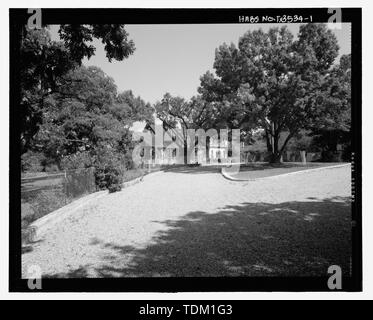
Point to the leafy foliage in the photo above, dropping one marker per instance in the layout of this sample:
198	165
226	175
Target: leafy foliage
44	63
334	127
86	123
77	40
273	82
32	161
176	112
109	170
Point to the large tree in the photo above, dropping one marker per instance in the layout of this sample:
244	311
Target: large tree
275	82
334	128
87	117
44	62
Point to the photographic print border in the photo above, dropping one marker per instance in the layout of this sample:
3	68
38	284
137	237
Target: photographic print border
18	17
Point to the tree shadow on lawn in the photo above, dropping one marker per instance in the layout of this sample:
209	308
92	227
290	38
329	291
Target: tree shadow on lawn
252	239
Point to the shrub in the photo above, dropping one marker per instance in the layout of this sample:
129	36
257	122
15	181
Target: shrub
109	167
109	177
32	161
331	156
52	168
346	154
128	161
196	164
301	141
77	161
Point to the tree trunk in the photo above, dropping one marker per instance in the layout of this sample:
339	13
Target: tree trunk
185	151
268	141
277	152
276	156
207	149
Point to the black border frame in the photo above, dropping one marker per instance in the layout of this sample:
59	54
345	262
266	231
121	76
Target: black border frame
18	17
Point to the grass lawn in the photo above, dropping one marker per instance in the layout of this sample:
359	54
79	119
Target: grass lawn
262	170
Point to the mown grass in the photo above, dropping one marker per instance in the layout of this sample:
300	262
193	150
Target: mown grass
262	170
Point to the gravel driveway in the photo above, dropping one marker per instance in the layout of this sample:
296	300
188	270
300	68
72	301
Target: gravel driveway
196	223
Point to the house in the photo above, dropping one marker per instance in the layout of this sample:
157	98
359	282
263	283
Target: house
163	146
160	146
218	150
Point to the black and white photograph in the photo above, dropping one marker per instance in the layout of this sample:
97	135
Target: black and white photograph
181	150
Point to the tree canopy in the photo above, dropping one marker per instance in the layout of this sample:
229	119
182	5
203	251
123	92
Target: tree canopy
44	62
87	115
181	114
277	83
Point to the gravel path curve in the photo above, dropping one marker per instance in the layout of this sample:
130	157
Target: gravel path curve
196	223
